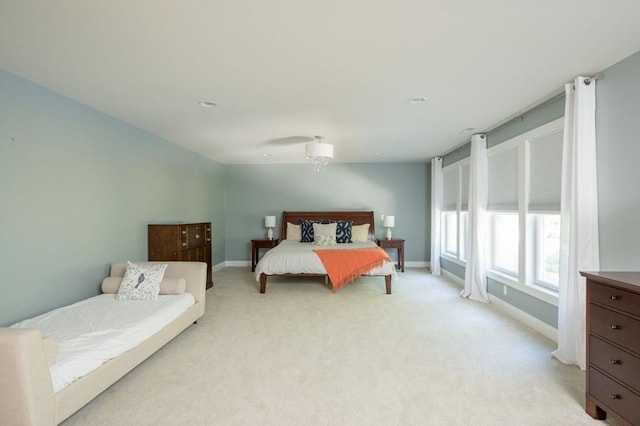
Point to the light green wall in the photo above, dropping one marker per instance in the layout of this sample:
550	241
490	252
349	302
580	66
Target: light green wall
77	190
399	189
618	151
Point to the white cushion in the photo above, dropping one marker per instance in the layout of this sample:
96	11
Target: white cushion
324	234
141	282
324	240
293	232
360	232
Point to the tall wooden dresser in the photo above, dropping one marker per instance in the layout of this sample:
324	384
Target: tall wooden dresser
182	242
613	346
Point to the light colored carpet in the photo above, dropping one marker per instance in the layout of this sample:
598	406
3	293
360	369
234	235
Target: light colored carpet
301	355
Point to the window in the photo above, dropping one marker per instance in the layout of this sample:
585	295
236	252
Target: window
450	234
463	235
502	202
505	242
455	183
547	251
524	204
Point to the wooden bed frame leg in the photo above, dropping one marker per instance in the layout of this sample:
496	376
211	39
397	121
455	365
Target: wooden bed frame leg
387	283
263	283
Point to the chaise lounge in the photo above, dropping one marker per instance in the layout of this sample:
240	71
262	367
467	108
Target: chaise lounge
27	394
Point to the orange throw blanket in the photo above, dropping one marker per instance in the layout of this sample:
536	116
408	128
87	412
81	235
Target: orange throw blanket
345	265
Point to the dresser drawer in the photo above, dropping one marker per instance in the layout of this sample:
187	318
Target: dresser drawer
617	397
615	362
618	328
193	236
614	297
207	233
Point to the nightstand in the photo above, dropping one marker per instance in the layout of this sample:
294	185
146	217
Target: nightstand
256	245
395	243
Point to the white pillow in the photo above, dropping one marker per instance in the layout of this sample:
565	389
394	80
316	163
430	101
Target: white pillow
325	228
324	240
360	232
141	282
293	232
324	234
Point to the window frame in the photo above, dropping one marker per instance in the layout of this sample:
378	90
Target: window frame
538	258
492	240
461	233
445	233
526	278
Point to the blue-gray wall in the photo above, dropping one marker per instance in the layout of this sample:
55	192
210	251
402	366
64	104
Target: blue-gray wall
77	190
398	189
545	113
618	151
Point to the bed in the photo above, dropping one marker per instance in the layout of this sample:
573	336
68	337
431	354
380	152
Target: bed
339	262
44	374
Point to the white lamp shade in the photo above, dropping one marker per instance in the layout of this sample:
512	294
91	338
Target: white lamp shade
317	150
389	221
269	221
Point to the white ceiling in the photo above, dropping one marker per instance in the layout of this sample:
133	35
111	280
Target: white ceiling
284	71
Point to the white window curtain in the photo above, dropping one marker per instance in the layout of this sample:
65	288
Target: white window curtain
475	277
436	213
579	249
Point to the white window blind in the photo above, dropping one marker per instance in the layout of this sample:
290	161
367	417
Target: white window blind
503	181
464	188
545	171
450	189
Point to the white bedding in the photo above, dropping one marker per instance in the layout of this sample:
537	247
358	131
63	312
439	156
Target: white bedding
293	257
94	330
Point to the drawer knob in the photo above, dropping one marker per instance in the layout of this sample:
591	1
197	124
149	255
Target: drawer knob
614	361
615	327
197	236
184	244
184	232
615	396
615	297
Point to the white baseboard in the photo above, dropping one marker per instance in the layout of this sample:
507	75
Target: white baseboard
453	278
417	264
529	320
237	263
218	266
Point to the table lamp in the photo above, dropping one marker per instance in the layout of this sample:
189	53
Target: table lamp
270	222
389	222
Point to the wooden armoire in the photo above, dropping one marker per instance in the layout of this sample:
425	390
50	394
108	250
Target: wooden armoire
182	242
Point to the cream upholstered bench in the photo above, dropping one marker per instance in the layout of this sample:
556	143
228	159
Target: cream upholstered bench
26	391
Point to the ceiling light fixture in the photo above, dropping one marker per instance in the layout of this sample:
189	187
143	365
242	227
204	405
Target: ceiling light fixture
319	153
207	104
417	100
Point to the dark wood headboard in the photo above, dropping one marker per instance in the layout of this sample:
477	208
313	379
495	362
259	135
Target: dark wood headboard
359	218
